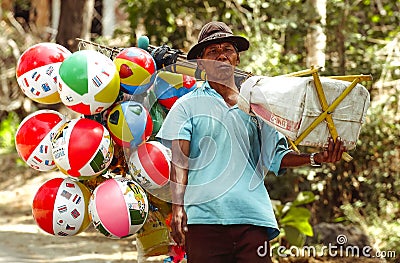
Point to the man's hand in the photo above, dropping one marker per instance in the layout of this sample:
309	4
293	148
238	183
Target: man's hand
332	153
178	224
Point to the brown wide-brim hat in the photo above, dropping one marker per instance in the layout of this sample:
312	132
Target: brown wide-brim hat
216	32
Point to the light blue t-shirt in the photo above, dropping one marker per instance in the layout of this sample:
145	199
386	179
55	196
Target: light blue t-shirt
225	178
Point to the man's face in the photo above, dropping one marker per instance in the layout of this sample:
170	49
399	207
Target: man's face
219	61
221	51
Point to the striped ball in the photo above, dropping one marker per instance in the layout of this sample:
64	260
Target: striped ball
37	71
150	165
130	124
89	82
33	138
82	148
118	207
136	68
168	87
60	207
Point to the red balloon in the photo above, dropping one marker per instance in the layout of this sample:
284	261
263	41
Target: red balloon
60	207
82	148
37	71
33	138
41	54
43	204
150	165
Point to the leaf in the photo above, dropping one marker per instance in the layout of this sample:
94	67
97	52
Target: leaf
303	227
296	214
303	198
277	206
298	217
294	236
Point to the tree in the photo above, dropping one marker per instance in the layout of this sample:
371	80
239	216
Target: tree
5	6
316	38
75	22
39	15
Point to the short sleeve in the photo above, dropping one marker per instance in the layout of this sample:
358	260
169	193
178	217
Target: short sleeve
177	125
274	147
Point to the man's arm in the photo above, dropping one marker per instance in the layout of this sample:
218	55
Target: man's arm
179	176
331	154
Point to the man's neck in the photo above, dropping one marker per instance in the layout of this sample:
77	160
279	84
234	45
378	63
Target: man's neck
228	92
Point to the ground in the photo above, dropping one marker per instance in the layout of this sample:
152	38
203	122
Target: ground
22	241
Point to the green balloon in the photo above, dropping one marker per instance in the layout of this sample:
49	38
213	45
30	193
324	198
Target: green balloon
74	72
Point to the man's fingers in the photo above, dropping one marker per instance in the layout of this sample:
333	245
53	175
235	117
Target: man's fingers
333	153
178	233
337	151
177	236
329	151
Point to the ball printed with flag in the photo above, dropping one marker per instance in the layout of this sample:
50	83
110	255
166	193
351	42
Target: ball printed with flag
118	207
169	86
136	68
150	165
60	207
33	138
37	71
82	148
130	124
89	82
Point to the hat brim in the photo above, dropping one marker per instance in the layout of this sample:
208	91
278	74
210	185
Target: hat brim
241	43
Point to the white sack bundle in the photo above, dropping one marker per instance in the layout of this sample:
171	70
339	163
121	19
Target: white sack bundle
291	104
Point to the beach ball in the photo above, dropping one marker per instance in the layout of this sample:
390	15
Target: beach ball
150	165
33	138
89	82
118	207
130	124
82	148
60	207
136	68
37	71
169	86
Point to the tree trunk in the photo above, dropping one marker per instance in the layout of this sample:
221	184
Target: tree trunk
55	16
341	40
75	22
87	19
39	15
316	38
108	20
5	6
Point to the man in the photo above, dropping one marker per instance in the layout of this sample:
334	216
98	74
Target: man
221	211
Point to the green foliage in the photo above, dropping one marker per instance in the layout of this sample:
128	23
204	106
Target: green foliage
359	29
23	4
8	128
294	219
377	226
276	30
167	22
177	24
378	168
